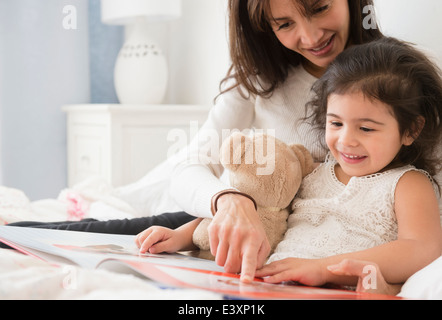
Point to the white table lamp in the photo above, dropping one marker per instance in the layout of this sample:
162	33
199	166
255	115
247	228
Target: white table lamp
141	71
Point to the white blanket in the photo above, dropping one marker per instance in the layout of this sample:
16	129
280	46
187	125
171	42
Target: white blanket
25	277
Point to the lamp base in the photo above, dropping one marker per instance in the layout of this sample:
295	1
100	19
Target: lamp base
141	71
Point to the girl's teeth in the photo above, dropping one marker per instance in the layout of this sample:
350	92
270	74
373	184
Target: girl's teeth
353	157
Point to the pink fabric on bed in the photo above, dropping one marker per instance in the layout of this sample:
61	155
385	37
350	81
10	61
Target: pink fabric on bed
77	207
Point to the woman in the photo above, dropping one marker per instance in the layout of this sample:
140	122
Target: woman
278	49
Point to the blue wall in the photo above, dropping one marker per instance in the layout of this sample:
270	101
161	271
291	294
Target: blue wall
43	66
105	42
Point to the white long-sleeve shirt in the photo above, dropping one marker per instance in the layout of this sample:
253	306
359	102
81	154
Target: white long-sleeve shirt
196	179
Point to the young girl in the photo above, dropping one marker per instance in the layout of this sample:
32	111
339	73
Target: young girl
374	198
380	106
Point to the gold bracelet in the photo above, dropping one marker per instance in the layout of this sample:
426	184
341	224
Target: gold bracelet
215	198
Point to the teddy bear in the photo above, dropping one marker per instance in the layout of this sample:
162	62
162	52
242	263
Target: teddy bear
269	171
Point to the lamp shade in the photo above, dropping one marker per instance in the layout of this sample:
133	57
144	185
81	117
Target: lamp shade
122	12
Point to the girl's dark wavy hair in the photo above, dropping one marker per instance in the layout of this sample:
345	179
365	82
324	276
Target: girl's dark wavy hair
259	61
399	75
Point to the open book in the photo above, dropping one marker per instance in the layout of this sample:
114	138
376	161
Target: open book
120	254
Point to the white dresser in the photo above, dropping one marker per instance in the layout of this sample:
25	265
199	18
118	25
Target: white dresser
121	143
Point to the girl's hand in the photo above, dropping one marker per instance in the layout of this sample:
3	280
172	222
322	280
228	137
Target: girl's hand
158	239
306	271
237	236
370	278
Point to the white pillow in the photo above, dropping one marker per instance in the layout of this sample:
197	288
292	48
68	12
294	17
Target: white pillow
425	284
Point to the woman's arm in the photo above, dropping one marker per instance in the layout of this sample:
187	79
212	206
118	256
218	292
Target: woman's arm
236	234
196	178
419	242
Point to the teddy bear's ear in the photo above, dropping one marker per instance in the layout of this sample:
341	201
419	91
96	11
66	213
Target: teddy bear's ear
305	158
234	150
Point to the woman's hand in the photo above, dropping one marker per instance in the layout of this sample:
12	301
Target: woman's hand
310	272
237	236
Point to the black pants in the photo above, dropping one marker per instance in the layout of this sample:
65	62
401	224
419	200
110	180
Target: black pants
133	226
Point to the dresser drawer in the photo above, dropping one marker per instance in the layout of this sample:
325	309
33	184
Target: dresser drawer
87	153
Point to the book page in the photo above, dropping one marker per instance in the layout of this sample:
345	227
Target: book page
231	286
92	250
89	249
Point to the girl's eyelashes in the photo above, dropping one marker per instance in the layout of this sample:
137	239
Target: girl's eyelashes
365	129
336	123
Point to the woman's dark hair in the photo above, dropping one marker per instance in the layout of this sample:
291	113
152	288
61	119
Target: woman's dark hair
259	61
399	75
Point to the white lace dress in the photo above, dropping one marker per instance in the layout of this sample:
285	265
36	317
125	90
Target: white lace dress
331	218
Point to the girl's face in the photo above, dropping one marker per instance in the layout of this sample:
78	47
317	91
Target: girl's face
362	134
320	38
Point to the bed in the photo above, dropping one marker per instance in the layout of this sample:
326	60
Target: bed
25	277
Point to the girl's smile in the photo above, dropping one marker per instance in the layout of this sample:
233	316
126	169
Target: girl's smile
352	159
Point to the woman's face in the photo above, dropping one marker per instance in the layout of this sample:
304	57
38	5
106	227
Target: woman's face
319	38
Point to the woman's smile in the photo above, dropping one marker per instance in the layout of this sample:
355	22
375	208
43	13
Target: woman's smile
324	48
